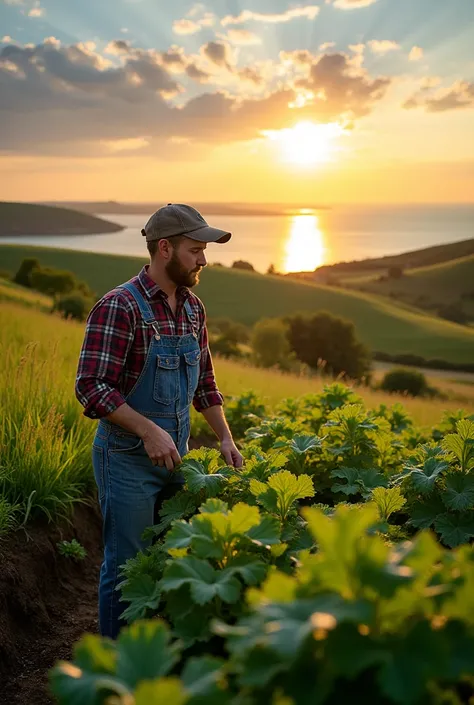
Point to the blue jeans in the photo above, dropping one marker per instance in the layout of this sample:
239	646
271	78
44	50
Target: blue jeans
129	488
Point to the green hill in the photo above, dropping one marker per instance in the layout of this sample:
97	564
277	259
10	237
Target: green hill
426	257
430	288
247	297
31	219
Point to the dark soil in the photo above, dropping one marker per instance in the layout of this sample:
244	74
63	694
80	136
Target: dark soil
47	601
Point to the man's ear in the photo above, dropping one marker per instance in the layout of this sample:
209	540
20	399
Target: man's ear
164	248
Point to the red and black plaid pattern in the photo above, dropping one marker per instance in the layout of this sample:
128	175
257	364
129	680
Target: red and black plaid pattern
116	345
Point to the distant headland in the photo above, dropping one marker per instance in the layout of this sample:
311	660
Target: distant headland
117	208
34	219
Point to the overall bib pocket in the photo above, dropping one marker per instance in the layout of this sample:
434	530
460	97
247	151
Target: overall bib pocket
166	387
192	360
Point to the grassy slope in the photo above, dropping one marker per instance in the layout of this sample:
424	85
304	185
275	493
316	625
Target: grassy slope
31	219
248	297
428	286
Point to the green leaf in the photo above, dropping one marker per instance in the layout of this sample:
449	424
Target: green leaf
197	478
250	569
214	506
351	653
85	681
143	593
461	444
181	535
266	533
278	587
302	444
203	678
161	690
455	529
145	652
289	488
414	660
424	478
205	582
181	505
242	518
388	501
459	493
351	475
424	514
370	479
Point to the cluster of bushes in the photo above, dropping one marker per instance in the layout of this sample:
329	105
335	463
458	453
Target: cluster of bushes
302	342
72	297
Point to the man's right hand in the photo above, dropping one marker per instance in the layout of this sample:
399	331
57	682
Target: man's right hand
160	447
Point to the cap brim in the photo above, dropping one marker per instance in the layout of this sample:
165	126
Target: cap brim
208	234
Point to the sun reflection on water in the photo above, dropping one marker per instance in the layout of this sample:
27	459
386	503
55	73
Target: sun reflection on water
305	248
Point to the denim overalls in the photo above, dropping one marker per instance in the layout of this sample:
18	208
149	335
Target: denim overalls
128	482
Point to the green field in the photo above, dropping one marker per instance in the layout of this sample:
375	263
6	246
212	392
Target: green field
247	297
33	219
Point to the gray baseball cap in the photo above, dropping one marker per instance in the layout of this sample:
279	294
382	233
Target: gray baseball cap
179	219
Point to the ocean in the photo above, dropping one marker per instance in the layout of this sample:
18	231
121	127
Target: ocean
298	242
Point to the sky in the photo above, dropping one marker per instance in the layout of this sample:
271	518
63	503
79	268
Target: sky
269	101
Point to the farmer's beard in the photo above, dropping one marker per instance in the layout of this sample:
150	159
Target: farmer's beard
179	274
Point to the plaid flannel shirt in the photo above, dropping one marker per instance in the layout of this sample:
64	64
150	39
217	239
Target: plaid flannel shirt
116	345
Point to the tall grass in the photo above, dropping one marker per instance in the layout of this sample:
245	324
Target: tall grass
45	441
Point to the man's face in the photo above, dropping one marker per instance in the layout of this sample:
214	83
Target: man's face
186	262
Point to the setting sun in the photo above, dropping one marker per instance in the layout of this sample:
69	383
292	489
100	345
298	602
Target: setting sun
307	143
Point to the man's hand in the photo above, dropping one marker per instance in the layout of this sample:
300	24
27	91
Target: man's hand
231	453
160	447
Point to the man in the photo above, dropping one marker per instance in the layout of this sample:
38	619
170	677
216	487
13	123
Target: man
144	360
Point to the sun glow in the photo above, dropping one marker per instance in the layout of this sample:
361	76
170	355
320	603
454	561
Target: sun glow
307	143
304	249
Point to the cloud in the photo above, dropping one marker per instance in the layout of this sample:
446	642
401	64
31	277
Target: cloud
6	39
326	46
192	23
382	46
218	53
342	88
351	4
197	74
459	95
36	11
308	11
242	37
416	54
71	99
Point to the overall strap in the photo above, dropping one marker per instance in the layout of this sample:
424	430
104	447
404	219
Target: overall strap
191	317
143	305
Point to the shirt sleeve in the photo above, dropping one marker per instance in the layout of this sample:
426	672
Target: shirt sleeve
207	393
110	330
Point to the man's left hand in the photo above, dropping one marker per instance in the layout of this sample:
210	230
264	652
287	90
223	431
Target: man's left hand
231	453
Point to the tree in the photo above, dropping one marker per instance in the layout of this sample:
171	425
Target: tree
322	338
270	343
22	277
53	282
241	264
271	269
